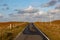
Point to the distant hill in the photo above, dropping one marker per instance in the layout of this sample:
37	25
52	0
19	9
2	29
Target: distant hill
5	24
51	29
54	22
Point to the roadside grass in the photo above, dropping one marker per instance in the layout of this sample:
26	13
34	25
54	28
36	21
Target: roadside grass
51	30
9	34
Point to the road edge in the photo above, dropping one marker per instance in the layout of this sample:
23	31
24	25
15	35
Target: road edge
41	31
19	33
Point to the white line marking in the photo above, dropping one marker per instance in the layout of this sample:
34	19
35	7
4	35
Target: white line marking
19	33
42	33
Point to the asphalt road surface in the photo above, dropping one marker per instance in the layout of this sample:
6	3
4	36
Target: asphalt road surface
31	33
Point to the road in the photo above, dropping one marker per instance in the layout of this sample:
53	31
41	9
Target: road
31	33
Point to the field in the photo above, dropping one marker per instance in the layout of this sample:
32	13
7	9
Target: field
51	29
9	30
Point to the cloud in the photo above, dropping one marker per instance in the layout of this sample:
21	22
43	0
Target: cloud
58	0
30	15
5	5
51	3
5	8
2	19
1	16
57	6
30	9
55	11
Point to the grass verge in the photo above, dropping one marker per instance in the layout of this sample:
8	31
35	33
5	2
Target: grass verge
51	30
9	34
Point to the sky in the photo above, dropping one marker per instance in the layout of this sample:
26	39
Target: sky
29	10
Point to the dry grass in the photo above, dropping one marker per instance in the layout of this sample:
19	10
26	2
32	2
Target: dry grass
7	33
51	30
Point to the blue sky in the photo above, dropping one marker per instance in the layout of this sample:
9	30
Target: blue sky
19	4
8	6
